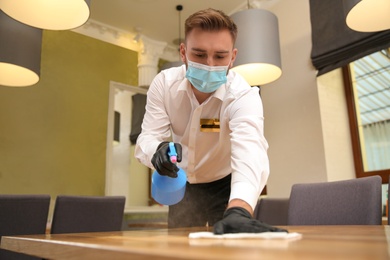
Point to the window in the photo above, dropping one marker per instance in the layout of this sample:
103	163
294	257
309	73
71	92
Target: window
367	85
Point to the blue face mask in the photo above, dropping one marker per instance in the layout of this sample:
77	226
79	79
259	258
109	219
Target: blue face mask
205	78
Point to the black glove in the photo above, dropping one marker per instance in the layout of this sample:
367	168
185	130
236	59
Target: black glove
239	220
162	162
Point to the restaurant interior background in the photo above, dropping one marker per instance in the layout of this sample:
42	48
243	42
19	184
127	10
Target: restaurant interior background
56	136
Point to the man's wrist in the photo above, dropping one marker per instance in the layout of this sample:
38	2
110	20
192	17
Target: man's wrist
240	203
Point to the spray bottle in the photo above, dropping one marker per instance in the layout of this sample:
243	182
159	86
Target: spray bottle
167	190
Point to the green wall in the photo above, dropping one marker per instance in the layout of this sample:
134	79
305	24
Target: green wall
53	134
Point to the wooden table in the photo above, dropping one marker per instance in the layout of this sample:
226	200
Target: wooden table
317	242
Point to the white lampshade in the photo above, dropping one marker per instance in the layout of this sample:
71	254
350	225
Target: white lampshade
367	15
258	57
48	14
20	53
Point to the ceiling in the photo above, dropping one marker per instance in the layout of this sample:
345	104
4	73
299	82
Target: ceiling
159	19
156	19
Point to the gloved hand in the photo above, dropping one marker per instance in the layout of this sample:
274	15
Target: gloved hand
239	220
162	162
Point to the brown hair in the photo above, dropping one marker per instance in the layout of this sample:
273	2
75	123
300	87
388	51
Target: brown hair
211	20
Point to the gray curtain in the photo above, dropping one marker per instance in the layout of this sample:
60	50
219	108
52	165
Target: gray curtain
137	115
334	44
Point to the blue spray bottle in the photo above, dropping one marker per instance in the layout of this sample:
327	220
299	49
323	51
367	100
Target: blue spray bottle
167	190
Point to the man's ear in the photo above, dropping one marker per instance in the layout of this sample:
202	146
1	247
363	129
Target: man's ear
183	52
234	54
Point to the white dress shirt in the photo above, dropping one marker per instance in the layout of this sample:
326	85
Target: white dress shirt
239	147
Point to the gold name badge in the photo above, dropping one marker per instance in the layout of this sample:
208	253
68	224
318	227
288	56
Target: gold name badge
209	125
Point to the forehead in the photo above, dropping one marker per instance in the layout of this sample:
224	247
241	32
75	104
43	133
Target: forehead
209	40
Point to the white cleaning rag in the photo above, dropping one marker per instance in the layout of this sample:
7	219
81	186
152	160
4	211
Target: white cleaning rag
263	235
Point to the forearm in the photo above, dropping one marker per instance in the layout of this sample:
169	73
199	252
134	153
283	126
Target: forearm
241	204
144	150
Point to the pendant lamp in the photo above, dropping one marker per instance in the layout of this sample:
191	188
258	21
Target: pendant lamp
178	63
48	14
367	15
20	53
258	57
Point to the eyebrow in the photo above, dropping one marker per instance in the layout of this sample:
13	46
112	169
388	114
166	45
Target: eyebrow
201	50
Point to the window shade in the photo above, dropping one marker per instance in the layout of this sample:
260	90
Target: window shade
137	116
335	45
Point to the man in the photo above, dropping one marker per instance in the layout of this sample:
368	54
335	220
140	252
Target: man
215	120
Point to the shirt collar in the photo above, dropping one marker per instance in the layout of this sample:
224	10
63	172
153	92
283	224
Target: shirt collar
220	92
185	85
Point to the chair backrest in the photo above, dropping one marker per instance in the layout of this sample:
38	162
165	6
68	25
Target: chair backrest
76	214
272	211
22	215
387	203
347	202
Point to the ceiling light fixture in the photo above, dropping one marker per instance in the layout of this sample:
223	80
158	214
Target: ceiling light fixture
367	15
48	14
178	41
20	53
137	36
258	57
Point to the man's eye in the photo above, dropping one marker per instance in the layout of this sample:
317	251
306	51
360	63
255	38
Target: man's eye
199	55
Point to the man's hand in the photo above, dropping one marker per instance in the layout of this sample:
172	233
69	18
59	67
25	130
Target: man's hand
162	162
239	220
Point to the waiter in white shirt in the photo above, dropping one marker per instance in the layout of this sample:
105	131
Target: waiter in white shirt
215	120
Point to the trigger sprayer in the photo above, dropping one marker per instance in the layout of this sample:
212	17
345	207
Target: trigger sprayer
167	190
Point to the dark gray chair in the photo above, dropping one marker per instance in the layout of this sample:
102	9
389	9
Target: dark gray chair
347	202
272	211
388	191
77	214
22	215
